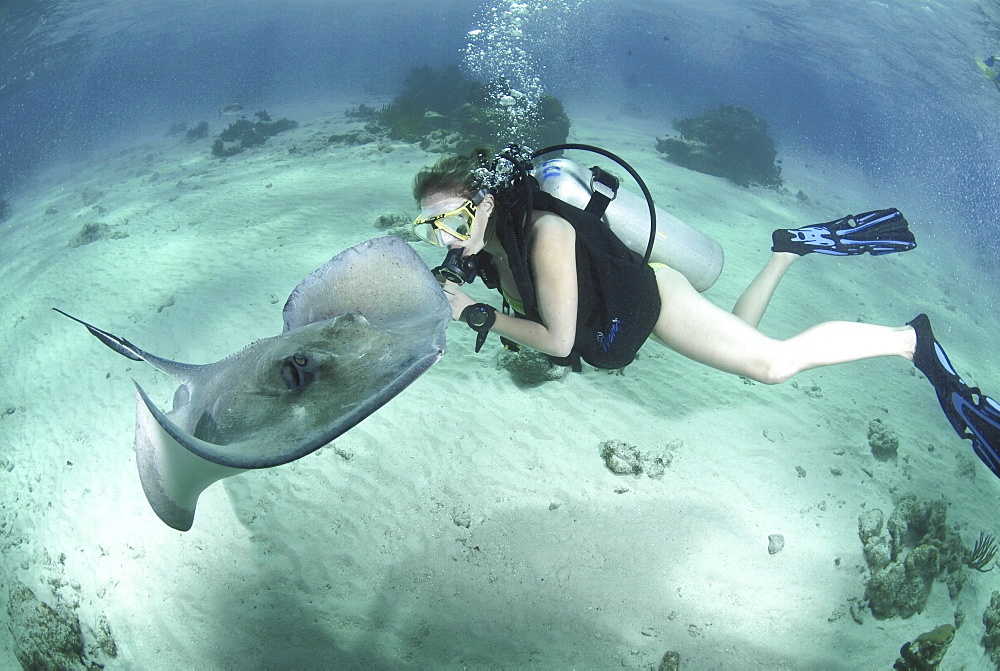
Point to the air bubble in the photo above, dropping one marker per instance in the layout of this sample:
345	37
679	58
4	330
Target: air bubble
506	51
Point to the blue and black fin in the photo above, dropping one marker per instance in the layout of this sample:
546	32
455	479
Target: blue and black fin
876	233
974	415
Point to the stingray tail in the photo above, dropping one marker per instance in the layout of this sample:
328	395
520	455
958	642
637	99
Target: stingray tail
120	345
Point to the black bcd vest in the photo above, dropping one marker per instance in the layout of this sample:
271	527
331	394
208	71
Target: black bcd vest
619	301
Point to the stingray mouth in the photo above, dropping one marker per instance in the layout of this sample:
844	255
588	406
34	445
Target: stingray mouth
298	371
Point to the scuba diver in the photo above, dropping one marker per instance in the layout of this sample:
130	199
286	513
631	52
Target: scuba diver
990	67
572	290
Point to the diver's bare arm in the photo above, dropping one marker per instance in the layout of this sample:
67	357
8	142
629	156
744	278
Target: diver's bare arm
553	261
530	334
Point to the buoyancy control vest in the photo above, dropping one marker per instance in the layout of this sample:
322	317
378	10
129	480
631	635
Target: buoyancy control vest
618	298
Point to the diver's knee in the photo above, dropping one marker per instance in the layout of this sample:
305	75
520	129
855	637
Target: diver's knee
769	377
777	376
773	370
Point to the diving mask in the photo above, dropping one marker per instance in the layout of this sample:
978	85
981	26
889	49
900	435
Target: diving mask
456	223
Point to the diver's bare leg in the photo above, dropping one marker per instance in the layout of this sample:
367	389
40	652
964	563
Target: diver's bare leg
704	332
751	305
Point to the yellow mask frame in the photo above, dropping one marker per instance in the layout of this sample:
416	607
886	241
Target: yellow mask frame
457	223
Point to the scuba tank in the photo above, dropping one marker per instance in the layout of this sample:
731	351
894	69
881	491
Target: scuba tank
675	244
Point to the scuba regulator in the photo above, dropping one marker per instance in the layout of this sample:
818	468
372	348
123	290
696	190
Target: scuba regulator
456	268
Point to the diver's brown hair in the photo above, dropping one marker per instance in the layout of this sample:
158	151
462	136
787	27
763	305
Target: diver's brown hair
451	174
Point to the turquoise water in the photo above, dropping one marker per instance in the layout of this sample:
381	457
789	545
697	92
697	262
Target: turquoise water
890	87
456	533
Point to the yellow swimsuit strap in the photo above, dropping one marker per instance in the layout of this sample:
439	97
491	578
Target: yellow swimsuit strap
515	305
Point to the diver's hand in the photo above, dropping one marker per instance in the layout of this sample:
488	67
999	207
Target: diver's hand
458	299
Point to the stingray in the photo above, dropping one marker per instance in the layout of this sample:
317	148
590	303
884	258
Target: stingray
357	332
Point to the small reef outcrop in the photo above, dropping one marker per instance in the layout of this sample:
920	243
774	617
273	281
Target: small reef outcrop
399	224
51	636
242	134
92	231
44	637
918	549
991	639
443	111
883	441
528	367
623	459
728	141
199	132
671	661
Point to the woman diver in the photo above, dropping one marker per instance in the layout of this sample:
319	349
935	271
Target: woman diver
536	250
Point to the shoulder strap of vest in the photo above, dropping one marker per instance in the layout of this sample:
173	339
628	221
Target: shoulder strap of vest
513	238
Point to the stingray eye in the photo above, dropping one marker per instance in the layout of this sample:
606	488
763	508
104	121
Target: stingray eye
295	371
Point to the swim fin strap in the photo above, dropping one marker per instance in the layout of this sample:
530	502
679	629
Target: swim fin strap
973	415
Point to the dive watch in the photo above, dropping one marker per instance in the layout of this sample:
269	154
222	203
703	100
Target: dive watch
480	317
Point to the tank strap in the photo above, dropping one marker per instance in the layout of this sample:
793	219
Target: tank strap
603	189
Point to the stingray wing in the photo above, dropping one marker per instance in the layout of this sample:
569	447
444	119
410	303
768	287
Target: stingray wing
175	466
273	429
357	332
384	279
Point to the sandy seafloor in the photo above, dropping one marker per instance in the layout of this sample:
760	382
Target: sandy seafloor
367	562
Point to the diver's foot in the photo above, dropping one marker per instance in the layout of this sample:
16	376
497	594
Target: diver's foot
972	414
876	233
